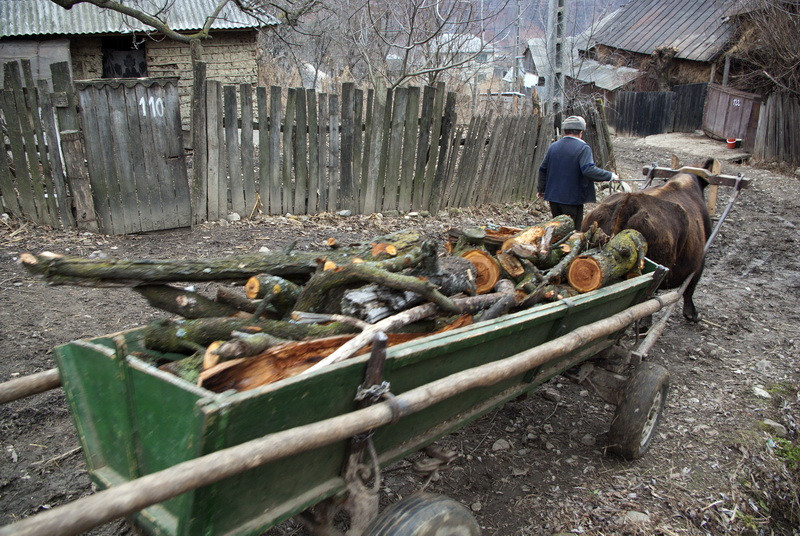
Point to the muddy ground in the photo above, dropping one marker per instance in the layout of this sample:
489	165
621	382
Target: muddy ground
536	466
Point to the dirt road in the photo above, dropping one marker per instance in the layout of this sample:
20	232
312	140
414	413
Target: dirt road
536	466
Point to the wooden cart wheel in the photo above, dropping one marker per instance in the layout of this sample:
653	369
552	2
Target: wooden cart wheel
425	514
637	416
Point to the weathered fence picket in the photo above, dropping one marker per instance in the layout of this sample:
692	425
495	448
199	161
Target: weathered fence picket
778	134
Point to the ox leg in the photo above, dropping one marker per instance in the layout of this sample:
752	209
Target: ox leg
689	310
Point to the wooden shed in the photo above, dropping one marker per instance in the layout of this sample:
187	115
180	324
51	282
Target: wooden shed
730	113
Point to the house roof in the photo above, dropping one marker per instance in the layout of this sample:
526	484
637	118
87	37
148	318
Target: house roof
698	29
43	17
583	69
602	75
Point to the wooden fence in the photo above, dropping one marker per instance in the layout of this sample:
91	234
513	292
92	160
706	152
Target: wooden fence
302	152
778	135
32	179
644	113
107	155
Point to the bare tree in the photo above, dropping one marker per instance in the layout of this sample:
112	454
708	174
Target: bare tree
767	56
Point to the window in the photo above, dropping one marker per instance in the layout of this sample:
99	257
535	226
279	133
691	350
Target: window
123	59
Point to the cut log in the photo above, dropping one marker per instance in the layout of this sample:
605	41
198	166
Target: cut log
274	290
574	246
558	292
185	303
622	254
182	335
243	345
237	300
561	225
510	264
487	271
187	368
504	304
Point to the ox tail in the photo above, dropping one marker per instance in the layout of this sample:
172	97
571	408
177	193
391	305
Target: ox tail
618	217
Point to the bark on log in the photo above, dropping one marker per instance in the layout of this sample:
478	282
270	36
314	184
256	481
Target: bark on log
624	253
314	296
575	245
273	290
60	270
182	335
185	303
558	292
504	304
245	345
510	264
562	226
238	301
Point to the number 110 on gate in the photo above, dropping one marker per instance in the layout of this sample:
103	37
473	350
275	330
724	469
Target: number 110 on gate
154	104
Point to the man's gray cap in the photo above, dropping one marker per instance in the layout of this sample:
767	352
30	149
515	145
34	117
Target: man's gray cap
574	122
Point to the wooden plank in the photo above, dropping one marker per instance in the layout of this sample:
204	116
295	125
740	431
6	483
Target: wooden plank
233	151
54	156
334	146
32	100
263	148
383	157
113	220
347	187
120	159
313	152
358	146
396	136
375	135
423	149
175	153
139	163
21	174
365	151
248	162
409	150
275	194
448	123
433	152
489	161
157	180
471	152
34	175
77	174
7	190
214	206
323	153
200	168
301	153
287	189
62	84
450	182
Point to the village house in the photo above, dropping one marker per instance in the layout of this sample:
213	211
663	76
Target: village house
101	43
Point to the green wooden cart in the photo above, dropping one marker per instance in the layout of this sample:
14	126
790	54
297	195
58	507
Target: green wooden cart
134	419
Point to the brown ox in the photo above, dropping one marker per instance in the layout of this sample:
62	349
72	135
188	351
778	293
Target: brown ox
674	220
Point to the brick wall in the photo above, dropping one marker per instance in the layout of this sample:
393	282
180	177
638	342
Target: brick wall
231	59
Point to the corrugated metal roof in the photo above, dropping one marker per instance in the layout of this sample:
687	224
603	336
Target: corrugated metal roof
698	29
43	17
602	75
583	69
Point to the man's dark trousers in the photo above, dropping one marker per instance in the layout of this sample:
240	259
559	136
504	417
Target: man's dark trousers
573	211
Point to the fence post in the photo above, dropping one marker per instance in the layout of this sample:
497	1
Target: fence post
72	146
199	145
78	178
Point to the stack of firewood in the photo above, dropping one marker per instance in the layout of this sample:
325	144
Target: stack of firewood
291	312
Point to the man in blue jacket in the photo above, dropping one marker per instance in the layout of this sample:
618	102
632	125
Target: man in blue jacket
568	173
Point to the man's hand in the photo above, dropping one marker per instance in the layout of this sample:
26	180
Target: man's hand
539	195
614	177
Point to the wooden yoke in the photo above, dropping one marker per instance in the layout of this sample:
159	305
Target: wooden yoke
713	177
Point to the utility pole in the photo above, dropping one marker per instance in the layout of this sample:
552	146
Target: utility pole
555	56
515	64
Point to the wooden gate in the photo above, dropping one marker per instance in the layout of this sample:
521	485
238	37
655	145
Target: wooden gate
135	155
730	113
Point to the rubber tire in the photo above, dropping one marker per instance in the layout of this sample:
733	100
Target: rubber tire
637	416
425	514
